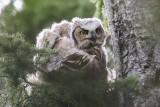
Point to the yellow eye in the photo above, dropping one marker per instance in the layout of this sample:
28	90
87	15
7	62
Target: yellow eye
83	32
98	30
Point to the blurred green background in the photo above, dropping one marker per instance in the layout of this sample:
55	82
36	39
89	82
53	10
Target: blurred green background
39	14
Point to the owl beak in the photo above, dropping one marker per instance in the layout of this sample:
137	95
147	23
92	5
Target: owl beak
93	37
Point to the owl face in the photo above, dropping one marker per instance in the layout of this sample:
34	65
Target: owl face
88	32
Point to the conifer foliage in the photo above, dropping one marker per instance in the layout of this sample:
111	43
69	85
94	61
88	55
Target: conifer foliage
68	88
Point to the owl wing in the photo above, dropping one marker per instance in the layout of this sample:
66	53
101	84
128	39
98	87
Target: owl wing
92	64
56	37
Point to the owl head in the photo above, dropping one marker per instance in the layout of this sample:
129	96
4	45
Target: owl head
87	32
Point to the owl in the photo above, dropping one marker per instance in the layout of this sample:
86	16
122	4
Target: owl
80	46
89	36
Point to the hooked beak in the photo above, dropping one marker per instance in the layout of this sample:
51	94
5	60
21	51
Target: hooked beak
93	37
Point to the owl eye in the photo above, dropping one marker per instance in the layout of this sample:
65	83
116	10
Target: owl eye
83	32
98	30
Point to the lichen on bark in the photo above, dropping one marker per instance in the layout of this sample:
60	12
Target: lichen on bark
134	31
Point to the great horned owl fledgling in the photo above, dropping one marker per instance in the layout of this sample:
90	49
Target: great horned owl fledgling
80	47
89	36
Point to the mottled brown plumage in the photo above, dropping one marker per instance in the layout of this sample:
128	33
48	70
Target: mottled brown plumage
80	46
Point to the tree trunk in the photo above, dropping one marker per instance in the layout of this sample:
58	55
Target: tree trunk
135	29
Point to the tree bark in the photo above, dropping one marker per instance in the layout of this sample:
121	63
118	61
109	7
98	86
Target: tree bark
135	29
